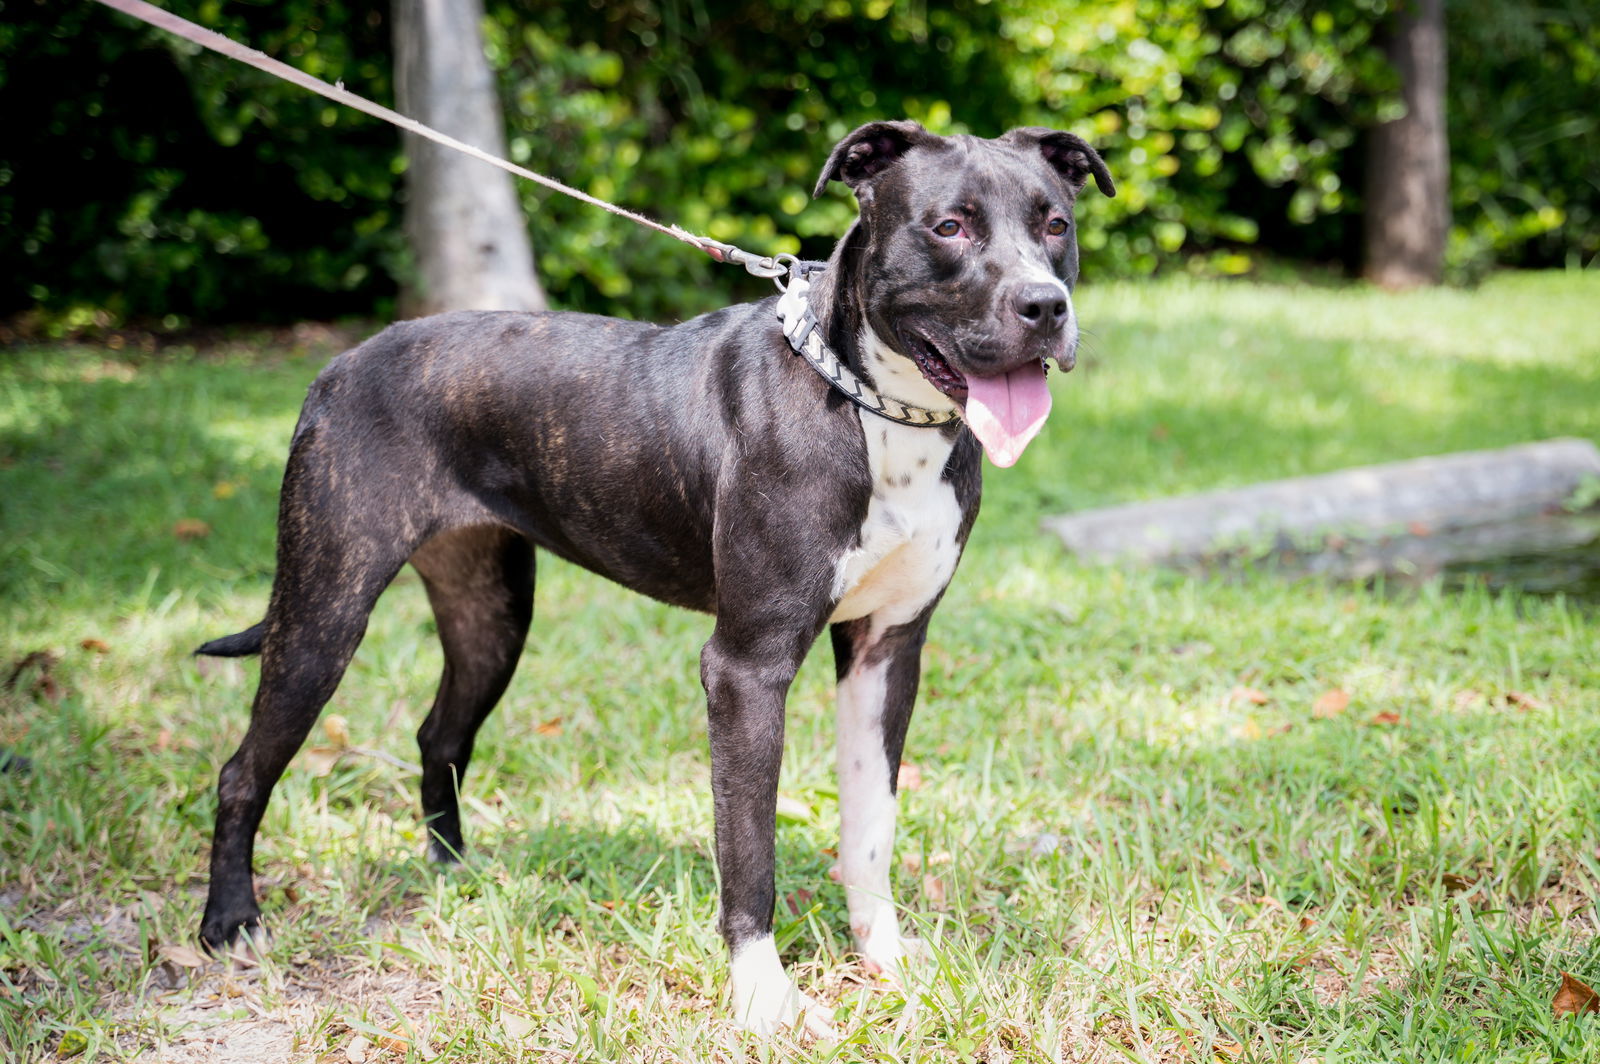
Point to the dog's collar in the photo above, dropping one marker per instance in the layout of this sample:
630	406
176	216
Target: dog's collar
804	333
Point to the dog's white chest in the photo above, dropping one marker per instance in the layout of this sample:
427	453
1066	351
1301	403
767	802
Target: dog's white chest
908	549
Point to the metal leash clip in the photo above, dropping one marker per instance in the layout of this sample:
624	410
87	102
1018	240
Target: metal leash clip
772	267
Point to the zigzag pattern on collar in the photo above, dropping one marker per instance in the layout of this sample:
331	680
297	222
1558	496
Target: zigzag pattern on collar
804	333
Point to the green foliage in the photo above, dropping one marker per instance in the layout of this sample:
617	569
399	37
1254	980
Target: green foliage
1524	133
717	116
1224	119
173	183
192	186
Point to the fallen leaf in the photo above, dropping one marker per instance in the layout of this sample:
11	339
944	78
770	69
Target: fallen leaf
191	528
1226	1049
1575	997
1457	884
1521	700
98	646
183	956
72	1043
395	1041
933	889
1330	703
549	727
1307	923
1388	716
912	863
909	778
355	1050
163	739
319	760
798	901
1468	698
1248	694
337	729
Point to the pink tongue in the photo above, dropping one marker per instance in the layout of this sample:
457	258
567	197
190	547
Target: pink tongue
1007	411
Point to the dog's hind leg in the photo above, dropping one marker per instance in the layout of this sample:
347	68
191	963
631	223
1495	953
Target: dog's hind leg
878	673
334	560
480	583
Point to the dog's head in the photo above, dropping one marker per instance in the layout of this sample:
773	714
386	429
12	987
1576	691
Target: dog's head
970	258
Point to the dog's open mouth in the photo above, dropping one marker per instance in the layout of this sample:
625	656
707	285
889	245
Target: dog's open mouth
941	374
1004	411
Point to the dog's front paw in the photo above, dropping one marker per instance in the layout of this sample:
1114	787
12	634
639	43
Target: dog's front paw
767	1011
766	1001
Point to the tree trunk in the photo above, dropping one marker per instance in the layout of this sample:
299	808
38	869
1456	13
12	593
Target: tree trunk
1408	162
462	218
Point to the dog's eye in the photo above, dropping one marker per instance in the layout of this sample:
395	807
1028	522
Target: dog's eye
948	227
1056	226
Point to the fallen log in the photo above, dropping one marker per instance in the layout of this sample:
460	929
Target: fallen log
1419	515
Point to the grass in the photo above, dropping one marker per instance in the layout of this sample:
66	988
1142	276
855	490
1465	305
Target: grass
1118	855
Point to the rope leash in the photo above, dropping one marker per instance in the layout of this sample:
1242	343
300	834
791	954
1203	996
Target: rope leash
768	266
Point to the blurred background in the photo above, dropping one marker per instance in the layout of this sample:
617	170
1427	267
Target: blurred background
144	182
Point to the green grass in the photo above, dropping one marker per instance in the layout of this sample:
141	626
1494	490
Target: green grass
1116	859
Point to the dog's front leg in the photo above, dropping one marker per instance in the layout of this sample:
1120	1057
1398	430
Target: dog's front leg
878	672
747	673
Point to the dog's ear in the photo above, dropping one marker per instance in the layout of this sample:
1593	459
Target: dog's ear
1069	155
869	151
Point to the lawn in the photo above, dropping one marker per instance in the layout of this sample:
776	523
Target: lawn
1144	824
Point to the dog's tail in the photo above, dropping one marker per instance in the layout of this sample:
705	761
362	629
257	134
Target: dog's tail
239	645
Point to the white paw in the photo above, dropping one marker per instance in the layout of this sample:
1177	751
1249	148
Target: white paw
766	1001
767	1012
891	955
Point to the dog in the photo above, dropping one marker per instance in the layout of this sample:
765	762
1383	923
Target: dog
706	465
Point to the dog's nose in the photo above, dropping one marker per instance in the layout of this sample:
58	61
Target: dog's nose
1041	306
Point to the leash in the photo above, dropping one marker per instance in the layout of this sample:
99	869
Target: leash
799	321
